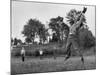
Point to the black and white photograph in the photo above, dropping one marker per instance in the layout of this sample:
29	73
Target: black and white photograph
52	37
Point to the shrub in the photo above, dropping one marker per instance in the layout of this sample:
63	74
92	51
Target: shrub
86	38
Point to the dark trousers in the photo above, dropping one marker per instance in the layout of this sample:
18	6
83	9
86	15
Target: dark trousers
54	54
72	41
41	56
23	57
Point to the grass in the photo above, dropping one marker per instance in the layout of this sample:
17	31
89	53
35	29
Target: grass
49	64
35	65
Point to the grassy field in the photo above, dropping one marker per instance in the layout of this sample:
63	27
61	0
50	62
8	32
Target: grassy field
49	64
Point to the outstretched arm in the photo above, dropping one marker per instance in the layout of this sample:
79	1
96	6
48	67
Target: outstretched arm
80	20
81	17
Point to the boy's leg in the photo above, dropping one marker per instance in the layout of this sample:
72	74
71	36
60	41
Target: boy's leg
69	44
82	58
40	56
81	55
22	57
79	52
54	53
67	57
71	41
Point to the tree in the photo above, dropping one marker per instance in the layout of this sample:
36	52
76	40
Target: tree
59	27
28	40
19	41
42	33
86	38
34	28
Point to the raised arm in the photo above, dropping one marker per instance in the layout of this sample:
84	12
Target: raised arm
81	17
79	21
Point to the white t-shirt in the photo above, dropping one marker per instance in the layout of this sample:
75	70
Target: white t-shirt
22	51
41	52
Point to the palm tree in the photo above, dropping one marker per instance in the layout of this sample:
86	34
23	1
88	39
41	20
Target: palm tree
72	17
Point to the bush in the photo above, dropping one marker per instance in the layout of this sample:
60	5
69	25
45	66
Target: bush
86	38
48	50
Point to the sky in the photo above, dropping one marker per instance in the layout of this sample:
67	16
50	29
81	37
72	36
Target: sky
23	11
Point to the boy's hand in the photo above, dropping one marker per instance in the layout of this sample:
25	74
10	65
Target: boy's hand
84	10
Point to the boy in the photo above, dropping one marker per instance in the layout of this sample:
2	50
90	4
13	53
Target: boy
23	54
41	53
73	38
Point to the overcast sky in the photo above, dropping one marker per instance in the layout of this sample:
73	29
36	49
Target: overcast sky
23	11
